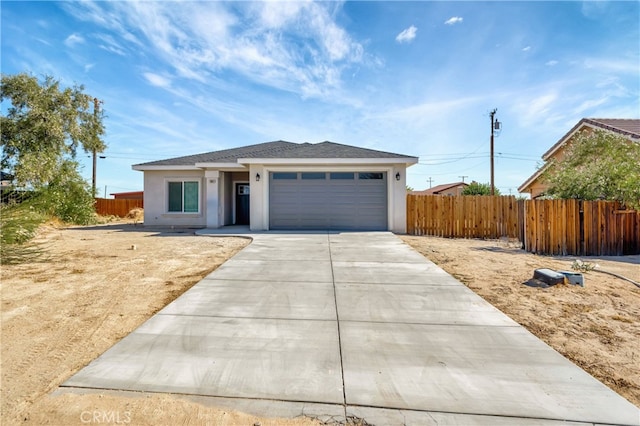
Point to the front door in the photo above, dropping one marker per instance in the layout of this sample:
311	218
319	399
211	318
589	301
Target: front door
242	203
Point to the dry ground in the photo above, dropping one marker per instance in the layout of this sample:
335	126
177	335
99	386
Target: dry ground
92	290
597	327
60	313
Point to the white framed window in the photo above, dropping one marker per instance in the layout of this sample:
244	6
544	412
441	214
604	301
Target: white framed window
183	196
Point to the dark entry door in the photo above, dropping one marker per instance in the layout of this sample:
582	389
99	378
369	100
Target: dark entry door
242	203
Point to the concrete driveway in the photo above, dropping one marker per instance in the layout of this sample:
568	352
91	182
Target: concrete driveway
350	324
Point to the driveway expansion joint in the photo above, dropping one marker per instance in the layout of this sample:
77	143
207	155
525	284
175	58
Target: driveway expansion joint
335	301
386	341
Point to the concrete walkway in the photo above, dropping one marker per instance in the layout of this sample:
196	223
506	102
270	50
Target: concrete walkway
350	324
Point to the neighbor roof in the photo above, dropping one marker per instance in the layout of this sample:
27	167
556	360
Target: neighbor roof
628	127
439	188
278	149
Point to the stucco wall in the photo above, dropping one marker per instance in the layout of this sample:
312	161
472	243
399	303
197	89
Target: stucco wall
219	186
396	195
156	199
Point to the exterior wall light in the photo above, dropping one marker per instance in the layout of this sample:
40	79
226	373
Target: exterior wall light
398	176
257	177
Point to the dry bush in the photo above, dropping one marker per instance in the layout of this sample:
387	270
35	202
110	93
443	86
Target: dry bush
136	214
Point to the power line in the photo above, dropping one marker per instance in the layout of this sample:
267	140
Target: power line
464	155
449	172
484	155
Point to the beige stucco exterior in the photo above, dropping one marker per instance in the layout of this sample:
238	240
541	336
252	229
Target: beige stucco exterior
216	190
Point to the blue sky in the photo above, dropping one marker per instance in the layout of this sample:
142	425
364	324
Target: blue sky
417	78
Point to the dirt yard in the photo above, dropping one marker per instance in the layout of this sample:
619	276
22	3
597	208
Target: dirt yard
97	284
597	327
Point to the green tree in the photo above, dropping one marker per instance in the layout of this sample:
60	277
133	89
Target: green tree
597	165
476	188
43	127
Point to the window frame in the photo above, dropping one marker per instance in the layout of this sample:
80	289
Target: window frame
342	175
284	175
370	175
183	181
313	176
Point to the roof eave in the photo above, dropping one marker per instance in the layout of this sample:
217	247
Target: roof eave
532	178
222	166
563	139
143	167
585	122
324	161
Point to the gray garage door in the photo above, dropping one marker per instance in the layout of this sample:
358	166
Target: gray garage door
331	200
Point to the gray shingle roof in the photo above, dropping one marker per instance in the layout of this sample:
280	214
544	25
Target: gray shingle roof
278	149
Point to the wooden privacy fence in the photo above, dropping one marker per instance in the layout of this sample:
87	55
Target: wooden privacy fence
464	216
587	228
120	207
552	227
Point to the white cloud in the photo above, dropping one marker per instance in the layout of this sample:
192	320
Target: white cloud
157	80
278	14
535	107
453	20
551	63
526	49
293	46
88	67
416	114
407	35
43	41
110	44
589	105
617	65
73	40
593	9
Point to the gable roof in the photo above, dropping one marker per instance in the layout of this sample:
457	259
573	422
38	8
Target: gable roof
280	149
225	155
629	128
439	188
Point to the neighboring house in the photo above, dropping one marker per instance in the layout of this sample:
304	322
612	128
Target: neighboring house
134	195
455	188
629	128
280	185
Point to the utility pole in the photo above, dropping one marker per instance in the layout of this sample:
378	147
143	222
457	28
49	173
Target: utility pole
96	111
96	107
462	177
495	125
430	181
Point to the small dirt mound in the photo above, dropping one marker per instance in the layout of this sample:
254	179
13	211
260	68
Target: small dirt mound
136	214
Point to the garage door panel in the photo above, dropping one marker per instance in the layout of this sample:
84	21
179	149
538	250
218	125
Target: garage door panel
340	201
